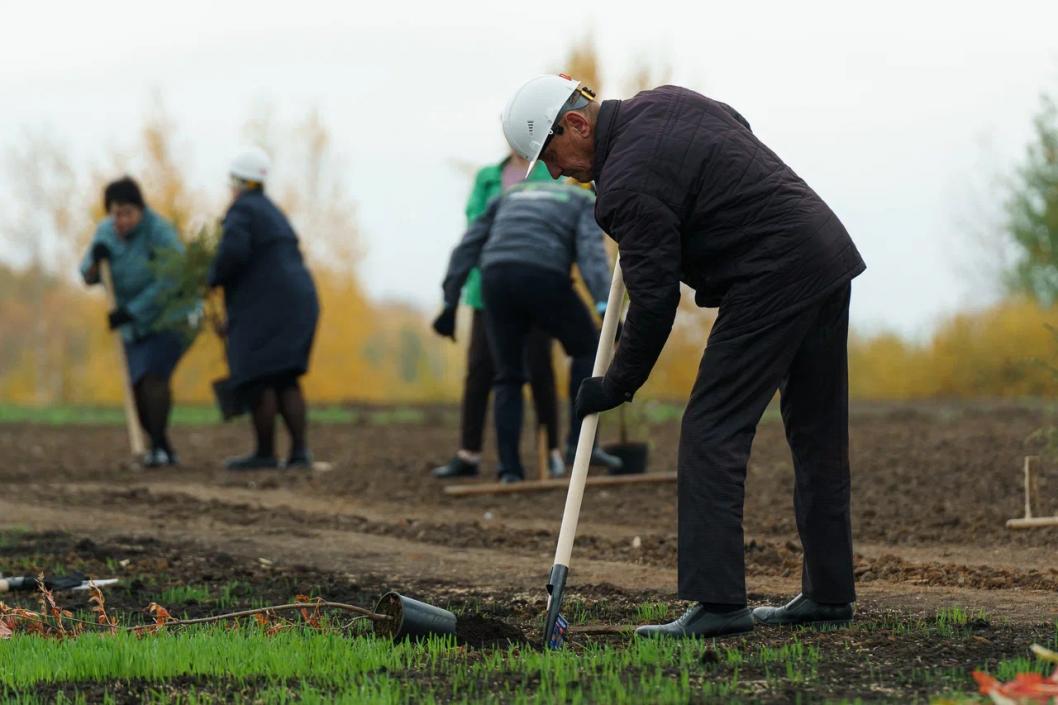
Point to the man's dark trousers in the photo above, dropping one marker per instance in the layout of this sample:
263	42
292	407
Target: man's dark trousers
481	372
517	298
804	356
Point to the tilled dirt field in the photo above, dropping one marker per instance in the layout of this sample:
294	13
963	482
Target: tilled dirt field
933	486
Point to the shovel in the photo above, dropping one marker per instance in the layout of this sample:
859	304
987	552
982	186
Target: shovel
556	625
131	419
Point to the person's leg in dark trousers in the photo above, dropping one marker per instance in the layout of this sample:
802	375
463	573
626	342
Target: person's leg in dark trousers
542	382
551	304
737	379
140	397
477	386
815	412
154	402
508	325
262	398
290	402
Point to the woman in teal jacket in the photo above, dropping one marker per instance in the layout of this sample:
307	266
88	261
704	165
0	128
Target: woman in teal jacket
155	334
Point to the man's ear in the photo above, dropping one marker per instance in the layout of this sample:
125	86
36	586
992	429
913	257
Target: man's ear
578	123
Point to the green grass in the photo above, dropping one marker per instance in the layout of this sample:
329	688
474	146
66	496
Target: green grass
180	594
653	612
218	664
331	668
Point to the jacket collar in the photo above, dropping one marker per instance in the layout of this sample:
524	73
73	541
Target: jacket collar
142	226
604	126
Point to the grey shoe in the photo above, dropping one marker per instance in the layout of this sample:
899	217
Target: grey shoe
803	610
510	478
599	458
157	457
697	622
555	467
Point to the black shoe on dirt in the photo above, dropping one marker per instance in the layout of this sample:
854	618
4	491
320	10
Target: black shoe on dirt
803	610
697	622
456	467
299	461
252	462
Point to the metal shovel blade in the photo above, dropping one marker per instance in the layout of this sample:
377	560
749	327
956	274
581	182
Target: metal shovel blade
556	626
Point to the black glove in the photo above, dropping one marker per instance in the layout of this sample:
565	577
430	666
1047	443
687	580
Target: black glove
445	324
118	317
100	252
597	394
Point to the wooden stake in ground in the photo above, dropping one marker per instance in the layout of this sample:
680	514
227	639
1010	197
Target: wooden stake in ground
542	453
1032	492
131	419
559	483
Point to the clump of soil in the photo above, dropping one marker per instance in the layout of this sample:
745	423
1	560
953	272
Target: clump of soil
479	631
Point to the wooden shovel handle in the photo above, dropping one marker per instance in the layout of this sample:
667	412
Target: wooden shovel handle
131	419
588	427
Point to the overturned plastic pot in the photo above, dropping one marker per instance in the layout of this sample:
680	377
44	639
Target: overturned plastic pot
633	457
411	619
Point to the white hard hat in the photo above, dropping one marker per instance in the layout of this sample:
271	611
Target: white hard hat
531	113
251	164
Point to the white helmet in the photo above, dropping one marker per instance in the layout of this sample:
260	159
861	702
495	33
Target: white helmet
531	113
252	164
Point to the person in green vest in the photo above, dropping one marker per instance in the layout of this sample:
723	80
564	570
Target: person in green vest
491	181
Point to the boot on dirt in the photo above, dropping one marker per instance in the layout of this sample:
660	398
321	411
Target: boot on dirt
456	467
599	458
252	462
299	460
804	610
699	622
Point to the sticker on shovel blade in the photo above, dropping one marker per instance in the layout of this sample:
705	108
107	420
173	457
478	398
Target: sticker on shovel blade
558	634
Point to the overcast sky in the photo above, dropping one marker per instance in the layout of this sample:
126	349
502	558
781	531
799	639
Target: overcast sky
899	115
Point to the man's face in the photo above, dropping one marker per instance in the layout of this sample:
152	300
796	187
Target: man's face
572	152
125	217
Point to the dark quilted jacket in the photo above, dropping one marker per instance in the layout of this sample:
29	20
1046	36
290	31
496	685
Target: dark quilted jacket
690	194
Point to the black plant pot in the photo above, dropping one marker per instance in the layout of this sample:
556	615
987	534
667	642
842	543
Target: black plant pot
228	400
633	457
411	619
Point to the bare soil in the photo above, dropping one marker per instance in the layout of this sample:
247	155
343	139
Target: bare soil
933	486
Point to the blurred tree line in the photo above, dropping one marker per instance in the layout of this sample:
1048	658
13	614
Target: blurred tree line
56	349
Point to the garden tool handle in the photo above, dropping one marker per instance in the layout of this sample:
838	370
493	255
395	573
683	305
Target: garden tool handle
131	419
590	424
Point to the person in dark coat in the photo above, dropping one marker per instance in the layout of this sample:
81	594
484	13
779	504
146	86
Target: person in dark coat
489	184
154	329
525	244
691	194
272	310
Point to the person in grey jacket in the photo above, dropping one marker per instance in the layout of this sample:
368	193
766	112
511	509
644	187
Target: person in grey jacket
525	244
